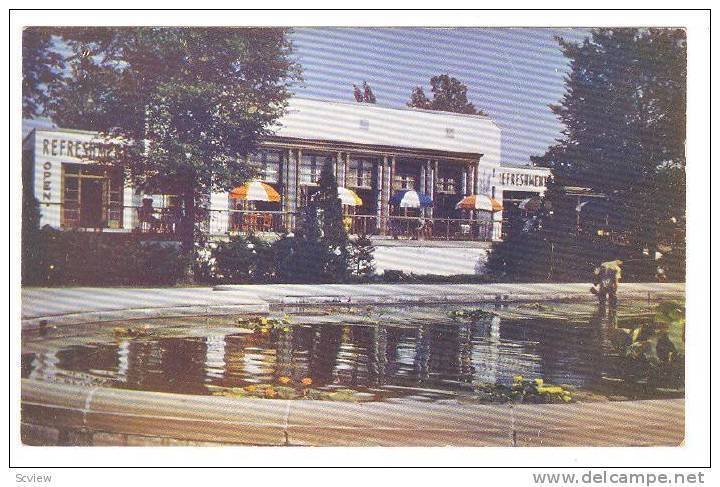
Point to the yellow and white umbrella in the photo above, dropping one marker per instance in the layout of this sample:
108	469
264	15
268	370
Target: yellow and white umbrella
349	197
479	202
255	191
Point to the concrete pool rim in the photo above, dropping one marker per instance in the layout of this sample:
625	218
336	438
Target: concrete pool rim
62	414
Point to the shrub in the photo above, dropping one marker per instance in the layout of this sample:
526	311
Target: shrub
298	260
77	258
242	260
361	257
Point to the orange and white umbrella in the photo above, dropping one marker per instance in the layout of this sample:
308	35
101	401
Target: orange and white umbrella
479	202
255	191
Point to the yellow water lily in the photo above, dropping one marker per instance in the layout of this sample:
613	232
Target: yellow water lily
518	378
284	380
538	382
550	390
270	392
307	381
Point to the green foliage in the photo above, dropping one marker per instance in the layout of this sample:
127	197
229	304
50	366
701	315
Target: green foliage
660	343
319	251
79	258
525	391
299	260
361	257
198	98
449	95
470	314
624	117
242	260
41	66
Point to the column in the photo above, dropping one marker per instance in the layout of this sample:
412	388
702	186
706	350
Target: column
131	201
219	206
386	189
292	187
346	168
431	183
379	194
464	181
471	182
478	179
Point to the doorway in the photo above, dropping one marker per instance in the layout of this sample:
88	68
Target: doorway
91	203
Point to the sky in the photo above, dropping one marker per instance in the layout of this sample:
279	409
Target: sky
512	74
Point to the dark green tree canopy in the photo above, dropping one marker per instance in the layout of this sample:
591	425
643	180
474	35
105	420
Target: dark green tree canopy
190	102
41	65
449	95
198	98
624	117
623	109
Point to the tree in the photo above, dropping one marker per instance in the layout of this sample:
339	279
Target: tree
449	95
334	237
357	94
418	99
368	96
41	66
624	136
624	117
194	101
365	95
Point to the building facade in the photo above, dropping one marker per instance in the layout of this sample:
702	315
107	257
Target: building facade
375	152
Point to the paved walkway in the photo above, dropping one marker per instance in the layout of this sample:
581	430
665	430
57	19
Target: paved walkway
84	304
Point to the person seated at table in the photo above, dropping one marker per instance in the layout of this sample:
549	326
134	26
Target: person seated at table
421	229
171	217
146	215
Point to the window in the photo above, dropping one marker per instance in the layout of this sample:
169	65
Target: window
364	124
446	185
360	173
402	181
450	133
266	164
310	167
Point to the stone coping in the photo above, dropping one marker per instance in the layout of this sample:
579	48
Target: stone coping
117	416
67	306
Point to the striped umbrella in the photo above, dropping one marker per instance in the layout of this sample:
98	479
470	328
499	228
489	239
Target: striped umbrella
411	199
255	191
479	202
347	197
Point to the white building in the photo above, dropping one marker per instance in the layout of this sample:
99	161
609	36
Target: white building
376	152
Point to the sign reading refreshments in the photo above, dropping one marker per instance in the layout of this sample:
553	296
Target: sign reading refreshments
522	178
64	147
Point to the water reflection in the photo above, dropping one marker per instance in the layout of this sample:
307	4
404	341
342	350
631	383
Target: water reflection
424	359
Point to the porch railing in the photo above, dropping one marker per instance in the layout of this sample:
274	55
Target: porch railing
164	220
